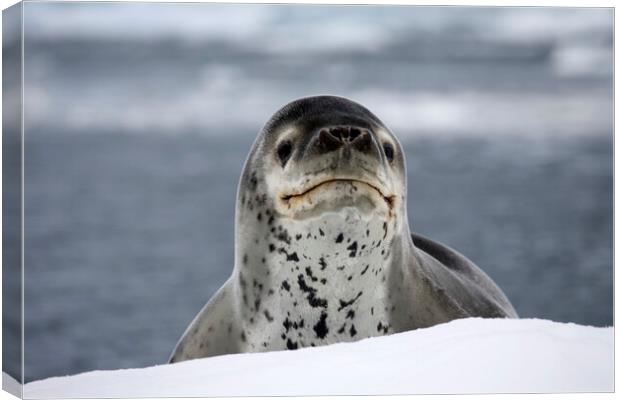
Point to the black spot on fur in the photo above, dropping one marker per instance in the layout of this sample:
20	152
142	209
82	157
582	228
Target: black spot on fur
243	339
321	232
323	281
339	238
292	257
286	286
365	269
352	331
322	263
245	259
287	324
284	237
320	328
303	286
289	257
259	217
268	316
270	221
353	249
297	237
341	330
253	181
312	299
344	304
367	232
291	345
271	248
309	273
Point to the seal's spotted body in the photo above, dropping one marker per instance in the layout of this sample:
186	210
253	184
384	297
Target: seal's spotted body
323	252
308	283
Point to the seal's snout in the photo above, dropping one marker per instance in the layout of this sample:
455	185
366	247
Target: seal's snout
334	138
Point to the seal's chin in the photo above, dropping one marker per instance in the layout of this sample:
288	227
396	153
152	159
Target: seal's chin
333	195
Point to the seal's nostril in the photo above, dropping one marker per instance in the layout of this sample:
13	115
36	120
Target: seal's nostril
340	132
328	141
362	141
354	133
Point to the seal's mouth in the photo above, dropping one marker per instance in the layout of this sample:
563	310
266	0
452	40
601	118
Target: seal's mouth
293	197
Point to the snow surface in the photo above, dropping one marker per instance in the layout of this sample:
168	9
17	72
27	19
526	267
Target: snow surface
463	356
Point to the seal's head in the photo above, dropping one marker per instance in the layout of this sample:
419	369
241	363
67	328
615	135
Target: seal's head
319	155
320	223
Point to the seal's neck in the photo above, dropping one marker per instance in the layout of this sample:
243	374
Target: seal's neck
341	245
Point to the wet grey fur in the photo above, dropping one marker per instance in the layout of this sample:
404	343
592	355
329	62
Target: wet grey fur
340	264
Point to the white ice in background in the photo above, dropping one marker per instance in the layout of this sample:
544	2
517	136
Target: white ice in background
487	115
463	356
355	26
557	63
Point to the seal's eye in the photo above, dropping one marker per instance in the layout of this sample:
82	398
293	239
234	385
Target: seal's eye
284	151
389	151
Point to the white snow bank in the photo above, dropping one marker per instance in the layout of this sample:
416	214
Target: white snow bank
464	356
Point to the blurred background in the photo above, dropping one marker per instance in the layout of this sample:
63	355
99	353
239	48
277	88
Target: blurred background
139	116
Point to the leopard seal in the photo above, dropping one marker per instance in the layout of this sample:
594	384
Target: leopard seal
323	249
